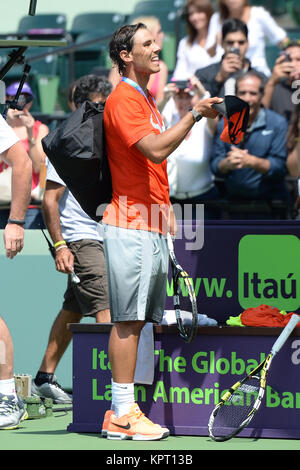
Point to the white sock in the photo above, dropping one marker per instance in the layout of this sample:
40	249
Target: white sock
122	398
7	387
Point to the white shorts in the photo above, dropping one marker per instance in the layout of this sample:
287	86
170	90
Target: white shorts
137	264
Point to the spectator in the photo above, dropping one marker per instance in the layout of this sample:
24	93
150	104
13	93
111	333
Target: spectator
256	168
80	248
192	53
190	178
293	159
261	26
12	409
293	143
159	80
279	89
30	132
219	78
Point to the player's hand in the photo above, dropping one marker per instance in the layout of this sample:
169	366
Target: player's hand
64	261
13	239
204	107
172	223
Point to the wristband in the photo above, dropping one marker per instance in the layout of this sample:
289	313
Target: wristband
61	242
60	248
16	221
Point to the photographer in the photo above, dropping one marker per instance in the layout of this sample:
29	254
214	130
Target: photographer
279	89
219	79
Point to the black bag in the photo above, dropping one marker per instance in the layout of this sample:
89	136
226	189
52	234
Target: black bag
76	149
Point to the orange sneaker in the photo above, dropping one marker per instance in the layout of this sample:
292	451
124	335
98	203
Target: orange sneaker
106	420
135	426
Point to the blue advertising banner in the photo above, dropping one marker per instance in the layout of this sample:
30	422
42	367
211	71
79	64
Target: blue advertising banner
235	265
190	378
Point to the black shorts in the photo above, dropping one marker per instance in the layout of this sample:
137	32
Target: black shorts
91	294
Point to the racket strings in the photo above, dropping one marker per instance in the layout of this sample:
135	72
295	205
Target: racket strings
235	412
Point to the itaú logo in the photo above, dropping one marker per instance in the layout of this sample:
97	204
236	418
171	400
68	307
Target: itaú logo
269	271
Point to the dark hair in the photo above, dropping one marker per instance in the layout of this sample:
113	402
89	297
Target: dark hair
204	6
251	73
121	40
234	25
223	10
291	43
89	84
293	132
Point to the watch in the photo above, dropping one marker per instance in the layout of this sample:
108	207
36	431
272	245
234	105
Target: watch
197	116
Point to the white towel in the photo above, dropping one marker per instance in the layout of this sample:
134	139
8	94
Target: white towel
169	318
144	370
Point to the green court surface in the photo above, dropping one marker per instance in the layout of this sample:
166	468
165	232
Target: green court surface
51	433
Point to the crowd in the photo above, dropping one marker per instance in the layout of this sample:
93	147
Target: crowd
222	54
219	47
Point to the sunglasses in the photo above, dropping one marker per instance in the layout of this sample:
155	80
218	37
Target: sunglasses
23	100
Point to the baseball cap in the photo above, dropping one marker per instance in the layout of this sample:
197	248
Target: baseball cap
12	89
236	115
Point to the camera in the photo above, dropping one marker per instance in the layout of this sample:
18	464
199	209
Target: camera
182	84
234	50
286	55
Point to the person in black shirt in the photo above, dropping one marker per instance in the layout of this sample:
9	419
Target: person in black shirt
219	78
281	94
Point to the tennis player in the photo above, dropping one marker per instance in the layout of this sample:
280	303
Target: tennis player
138	218
12	152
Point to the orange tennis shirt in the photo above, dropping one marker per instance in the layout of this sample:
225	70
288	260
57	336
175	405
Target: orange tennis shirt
140	187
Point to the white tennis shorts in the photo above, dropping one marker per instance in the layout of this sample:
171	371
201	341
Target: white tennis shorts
137	268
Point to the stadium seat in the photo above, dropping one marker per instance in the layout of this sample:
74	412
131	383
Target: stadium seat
272	52
92	55
54	21
16	70
278	7
106	22
44	66
293	33
293	9
165	11
43	76
275	7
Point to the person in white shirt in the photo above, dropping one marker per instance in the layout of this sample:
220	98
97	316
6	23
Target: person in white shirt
78	241
192	52
13	153
261	28
190	178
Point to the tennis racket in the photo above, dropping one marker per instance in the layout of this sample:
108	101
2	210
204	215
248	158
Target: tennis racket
241	402
74	277
187	318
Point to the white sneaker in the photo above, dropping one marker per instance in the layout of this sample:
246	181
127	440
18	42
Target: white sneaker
50	390
12	411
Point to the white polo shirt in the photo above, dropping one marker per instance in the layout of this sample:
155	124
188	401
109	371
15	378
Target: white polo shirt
7	136
75	223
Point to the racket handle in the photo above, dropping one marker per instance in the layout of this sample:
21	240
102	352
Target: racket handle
285	334
170	242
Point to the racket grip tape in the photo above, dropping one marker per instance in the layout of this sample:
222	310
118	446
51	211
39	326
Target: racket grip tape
285	333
